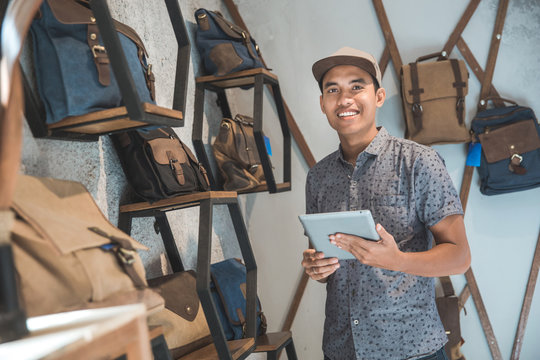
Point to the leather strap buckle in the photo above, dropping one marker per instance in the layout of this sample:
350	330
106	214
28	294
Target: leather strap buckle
519	157
125	255
459	103
417	109
98	48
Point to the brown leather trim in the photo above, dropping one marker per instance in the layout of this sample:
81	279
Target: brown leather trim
71	12
506	141
180	293
459	84
101	59
161	146
415	92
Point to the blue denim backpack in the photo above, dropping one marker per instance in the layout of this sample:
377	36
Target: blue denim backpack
224	46
228	290
72	68
510	139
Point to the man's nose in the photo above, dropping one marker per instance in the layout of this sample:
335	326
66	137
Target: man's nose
345	99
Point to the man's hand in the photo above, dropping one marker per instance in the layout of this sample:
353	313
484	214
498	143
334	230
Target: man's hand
317	266
382	254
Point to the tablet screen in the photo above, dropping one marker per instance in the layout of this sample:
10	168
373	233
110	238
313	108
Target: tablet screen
319	226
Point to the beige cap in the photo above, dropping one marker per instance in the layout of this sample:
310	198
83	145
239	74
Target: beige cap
347	56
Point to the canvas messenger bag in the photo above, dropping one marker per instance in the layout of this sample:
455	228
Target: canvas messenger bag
68	256
73	71
224	46
510	143
433	95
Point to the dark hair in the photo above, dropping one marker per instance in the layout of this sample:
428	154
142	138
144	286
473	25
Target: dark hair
376	84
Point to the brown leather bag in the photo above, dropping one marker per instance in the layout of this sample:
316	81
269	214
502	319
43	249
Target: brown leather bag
448	307
68	256
236	154
183	320
433	97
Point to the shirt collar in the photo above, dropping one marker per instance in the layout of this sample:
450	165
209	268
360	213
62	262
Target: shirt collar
376	145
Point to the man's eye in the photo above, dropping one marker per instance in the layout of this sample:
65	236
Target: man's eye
357	87
331	91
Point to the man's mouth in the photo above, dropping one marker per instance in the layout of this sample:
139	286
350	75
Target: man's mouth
348	113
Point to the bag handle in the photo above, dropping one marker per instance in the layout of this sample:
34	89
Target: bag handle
500	99
440	54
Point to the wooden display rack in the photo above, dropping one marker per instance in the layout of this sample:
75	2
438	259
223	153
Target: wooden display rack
257	78
135	114
221	348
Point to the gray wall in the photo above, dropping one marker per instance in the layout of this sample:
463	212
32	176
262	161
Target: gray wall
502	229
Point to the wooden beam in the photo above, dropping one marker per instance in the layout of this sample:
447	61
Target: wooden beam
527	300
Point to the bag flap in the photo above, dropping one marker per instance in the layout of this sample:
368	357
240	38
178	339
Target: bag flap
448	308
228	27
73	12
62	212
165	149
180	293
435	78
228	277
505	141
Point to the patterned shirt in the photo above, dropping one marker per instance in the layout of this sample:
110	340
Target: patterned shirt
374	313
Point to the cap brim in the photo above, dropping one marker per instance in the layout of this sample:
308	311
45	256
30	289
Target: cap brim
322	66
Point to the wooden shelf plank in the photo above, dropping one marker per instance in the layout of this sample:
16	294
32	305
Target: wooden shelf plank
236	347
106	121
178	201
240	78
272	341
286	186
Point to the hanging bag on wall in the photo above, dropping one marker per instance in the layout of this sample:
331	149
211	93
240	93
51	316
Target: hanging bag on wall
448	308
158	164
510	140
236	154
224	46
183	320
72	66
68	256
433	95
228	288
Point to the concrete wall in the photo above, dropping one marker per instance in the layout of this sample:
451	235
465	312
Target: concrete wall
502	229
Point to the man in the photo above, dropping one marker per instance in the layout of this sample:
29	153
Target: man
381	305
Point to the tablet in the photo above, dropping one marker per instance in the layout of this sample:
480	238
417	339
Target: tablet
319	226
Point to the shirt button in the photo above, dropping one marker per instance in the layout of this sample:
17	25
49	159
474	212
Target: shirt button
355	322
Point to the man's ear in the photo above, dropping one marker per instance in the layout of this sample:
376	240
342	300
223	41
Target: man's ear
380	96
322	106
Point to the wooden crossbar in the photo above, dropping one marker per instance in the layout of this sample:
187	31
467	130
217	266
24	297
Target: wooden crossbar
527	300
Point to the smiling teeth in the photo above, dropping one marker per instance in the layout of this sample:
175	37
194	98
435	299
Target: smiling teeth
350	113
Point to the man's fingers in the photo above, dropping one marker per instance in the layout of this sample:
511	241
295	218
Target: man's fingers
321	272
381	231
349	242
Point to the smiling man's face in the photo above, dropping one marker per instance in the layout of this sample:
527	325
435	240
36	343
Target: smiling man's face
349	100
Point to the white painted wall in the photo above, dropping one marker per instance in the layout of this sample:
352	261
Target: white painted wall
502	229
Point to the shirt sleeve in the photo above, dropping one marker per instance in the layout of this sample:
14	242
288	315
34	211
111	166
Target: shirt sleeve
435	194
